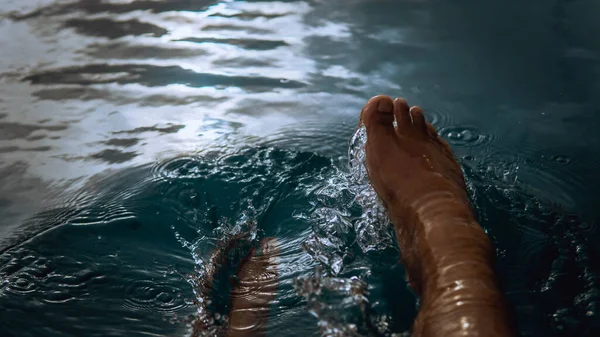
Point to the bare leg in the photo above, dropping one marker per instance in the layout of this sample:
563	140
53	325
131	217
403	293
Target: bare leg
448	257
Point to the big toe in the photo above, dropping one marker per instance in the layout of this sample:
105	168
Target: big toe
378	112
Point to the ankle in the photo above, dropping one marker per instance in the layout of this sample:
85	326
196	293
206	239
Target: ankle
440	251
464	318
463	300
455	253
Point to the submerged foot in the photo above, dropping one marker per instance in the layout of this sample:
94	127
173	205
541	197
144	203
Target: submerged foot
447	255
255	289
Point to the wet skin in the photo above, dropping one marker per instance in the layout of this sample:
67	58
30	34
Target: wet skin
253	290
446	253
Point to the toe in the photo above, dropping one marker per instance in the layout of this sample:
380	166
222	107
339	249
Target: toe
418	120
435	136
432	131
377	114
401	111
446	146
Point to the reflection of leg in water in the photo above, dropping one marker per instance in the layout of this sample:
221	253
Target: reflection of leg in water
252	290
447	255
255	290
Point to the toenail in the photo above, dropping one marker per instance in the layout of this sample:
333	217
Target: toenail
385	105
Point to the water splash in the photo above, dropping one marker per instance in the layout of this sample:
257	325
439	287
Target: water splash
373	226
348	213
348	204
349	219
351	239
340	304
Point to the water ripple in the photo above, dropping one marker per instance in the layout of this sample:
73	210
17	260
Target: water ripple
91	7
122	50
466	136
23	272
22	284
146	295
114	29
252	44
439	117
152	76
182	168
562	159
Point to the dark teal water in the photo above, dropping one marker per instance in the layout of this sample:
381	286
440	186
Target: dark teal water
136	137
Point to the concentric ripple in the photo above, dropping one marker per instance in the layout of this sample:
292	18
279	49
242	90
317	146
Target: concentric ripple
23	273
147	295
439	117
180	168
22	284
465	136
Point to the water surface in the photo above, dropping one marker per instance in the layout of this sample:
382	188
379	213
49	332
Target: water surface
138	136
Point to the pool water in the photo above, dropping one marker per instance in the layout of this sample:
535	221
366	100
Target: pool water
137	137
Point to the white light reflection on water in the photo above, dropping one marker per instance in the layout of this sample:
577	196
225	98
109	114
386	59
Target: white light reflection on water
139	98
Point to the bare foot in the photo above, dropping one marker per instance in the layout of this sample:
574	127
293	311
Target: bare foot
255	290
447	255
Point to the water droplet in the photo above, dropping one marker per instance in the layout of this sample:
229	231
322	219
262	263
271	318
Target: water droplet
464	136
454	135
561	159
